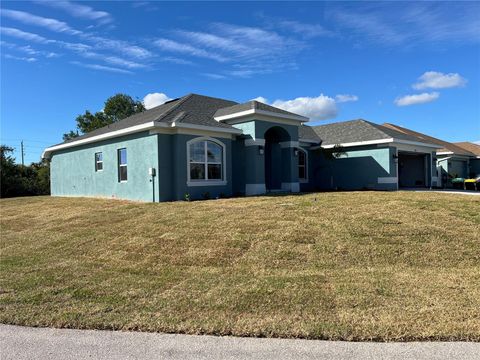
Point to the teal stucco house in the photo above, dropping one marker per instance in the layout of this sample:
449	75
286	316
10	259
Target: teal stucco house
200	146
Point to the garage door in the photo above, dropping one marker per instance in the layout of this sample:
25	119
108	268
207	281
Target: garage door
411	170
457	168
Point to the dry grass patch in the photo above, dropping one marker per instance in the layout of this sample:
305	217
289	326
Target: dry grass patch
353	266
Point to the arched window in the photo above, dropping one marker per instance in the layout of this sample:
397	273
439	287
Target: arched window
206	159
302	165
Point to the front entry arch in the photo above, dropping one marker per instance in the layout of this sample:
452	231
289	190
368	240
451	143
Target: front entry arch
277	160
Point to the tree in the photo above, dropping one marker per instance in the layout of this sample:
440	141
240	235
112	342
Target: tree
20	180
121	106
8	171
70	135
117	107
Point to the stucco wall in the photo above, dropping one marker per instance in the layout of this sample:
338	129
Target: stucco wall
73	170
359	168
179	171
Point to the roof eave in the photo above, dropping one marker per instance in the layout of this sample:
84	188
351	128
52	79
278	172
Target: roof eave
380	141
249	112
112	134
134	129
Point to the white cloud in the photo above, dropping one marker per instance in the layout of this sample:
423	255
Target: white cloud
24	35
27	59
155	99
316	108
27	49
214	76
261	99
416	99
176	60
247	50
30	19
123	47
411	24
341	98
305	30
120	46
101	67
80	11
174	46
114	60
438	80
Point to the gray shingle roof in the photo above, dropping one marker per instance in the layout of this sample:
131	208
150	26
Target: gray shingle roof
358	130
192	109
250	105
445	146
307	133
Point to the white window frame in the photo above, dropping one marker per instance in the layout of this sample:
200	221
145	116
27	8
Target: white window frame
121	165
206	182
305	180
98	161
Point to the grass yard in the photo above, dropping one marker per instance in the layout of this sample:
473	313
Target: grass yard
353	266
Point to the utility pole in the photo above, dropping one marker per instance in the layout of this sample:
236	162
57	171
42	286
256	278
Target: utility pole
23	153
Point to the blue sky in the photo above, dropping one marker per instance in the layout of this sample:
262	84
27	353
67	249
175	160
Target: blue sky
415	64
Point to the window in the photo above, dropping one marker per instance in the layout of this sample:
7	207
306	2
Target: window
122	165
98	161
205	161
302	165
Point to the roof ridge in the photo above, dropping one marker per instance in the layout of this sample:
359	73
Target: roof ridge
378	128
169	111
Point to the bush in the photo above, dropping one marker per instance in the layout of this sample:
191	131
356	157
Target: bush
20	180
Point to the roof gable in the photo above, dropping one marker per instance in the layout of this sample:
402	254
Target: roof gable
253	106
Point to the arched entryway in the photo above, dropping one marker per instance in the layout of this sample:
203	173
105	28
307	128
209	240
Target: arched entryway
276	161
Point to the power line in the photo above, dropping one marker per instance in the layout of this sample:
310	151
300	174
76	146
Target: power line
30	140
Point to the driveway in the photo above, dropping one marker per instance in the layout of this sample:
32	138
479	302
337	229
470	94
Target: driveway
43	343
445	191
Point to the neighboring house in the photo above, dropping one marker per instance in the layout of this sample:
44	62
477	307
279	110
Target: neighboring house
454	160
375	157
195	145
474	163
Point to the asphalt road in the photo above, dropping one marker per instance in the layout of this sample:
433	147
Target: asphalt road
42	343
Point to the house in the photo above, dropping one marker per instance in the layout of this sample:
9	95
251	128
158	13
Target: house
203	147
375	157
454	160
195	146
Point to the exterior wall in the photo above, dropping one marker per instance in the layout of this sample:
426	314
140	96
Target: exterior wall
73	170
284	171
312	162
456	166
173	169
366	167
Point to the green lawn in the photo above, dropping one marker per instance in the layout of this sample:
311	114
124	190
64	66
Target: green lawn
354	266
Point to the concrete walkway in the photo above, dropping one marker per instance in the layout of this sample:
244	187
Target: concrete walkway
445	191
39	343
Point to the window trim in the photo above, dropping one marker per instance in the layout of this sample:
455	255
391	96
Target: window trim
304	180
121	165
206	182
97	161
